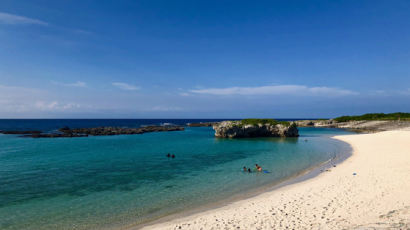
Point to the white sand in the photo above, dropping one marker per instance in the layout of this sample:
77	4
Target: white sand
377	197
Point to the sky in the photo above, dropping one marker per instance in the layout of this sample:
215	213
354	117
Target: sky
203	59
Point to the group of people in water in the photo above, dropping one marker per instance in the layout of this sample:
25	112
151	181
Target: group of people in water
170	156
257	167
249	170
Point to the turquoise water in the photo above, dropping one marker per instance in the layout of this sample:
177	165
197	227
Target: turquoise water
112	181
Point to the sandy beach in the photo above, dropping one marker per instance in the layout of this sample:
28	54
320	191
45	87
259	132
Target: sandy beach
369	190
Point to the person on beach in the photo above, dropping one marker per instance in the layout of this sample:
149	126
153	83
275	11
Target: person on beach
244	169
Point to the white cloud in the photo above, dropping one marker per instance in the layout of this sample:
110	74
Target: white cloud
56	106
125	86
13	19
297	90
75	84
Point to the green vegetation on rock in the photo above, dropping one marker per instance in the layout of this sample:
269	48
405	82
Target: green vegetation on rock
255	121
375	116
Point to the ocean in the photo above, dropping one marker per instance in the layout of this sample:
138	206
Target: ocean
111	182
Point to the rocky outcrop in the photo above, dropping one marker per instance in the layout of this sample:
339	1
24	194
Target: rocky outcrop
235	129
356	126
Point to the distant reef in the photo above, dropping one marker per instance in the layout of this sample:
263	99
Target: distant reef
108	131
255	128
98	131
20	132
202	124
367	123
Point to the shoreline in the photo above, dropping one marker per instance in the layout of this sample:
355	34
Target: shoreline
304	175
306	202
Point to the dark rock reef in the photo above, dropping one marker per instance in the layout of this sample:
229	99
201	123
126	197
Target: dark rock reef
54	135
107	131
98	131
20	132
238	129
202	124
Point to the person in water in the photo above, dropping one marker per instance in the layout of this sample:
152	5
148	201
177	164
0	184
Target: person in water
168	155
259	168
173	156
244	169
249	170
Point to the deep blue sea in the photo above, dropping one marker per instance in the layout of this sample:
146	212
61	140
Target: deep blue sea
118	181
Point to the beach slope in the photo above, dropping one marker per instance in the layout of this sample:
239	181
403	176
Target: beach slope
371	189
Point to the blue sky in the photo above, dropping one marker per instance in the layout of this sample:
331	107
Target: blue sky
203	59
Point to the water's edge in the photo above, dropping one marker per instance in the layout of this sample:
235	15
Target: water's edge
294	179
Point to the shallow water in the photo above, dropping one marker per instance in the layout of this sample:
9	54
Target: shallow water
111	181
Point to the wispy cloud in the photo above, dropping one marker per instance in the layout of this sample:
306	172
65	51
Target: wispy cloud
164	108
297	90
75	84
405	92
125	86
12	19
17	100
80	31
56	106
184	94
14	98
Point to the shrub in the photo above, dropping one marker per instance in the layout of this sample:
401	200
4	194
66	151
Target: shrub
374	116
255	121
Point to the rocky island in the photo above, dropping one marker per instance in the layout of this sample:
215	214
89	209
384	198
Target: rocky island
255	128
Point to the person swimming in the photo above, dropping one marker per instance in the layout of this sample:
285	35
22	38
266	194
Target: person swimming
245	169
259	168
173	156
168	155
249	170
